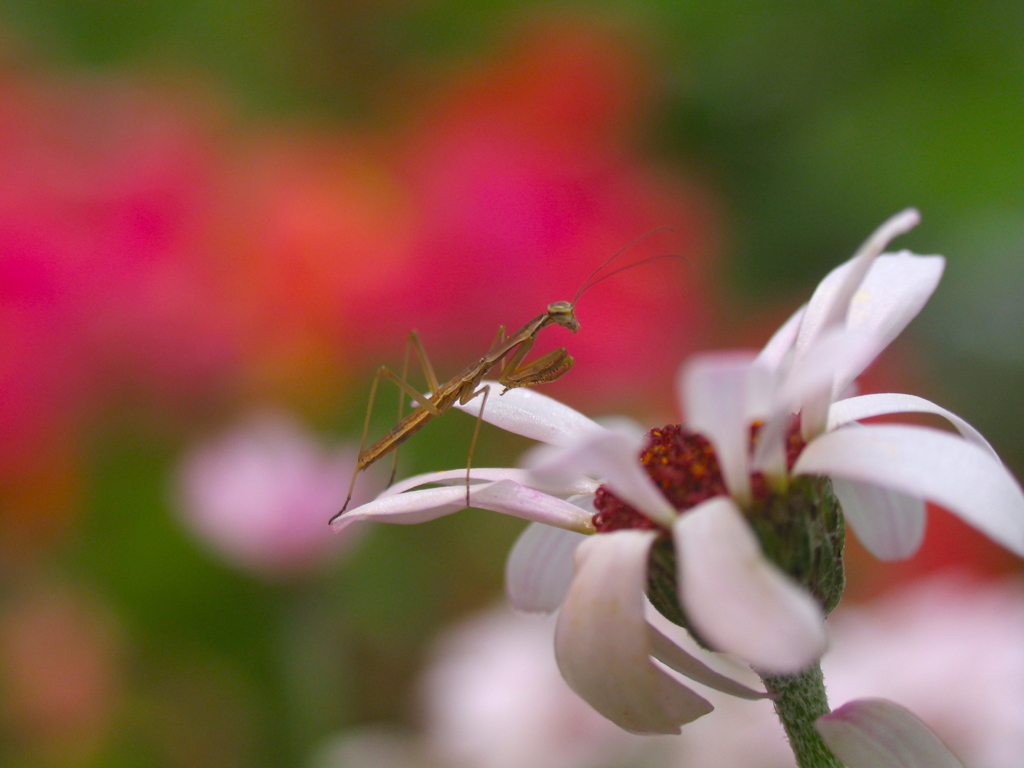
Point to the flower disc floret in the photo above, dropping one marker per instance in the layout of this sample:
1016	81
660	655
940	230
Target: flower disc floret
681	463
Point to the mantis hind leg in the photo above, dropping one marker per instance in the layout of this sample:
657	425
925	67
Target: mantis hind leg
416	345
484	391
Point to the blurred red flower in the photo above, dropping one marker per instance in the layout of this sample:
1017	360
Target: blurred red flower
524	179
312	219
105	294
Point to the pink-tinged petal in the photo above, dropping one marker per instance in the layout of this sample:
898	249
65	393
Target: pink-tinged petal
830	302
721	394
531	414
602	644
769	455
834	353
868	406
737	600
540	568
874	733
823	370
614	457
675	658
888	523
407	508
893	292
579	486
936	466
503	496
781	343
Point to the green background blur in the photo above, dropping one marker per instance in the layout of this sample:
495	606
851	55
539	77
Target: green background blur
804	124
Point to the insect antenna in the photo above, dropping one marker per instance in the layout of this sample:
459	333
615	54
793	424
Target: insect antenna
590	282
628	266
587	284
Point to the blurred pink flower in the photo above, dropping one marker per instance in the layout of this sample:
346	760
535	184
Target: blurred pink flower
103	290
104	193
261	495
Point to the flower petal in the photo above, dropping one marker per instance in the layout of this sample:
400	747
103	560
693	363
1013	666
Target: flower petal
781	343
830	302
893	292
934	465
822	371
888	523
602	644
866	406
830	357
613	457
530	414
503	496
674	657
721	394
540	568
489	475
874	733
739	601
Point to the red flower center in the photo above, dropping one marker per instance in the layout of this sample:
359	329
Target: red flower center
684	466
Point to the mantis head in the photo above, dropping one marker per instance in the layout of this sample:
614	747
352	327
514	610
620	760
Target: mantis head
563	313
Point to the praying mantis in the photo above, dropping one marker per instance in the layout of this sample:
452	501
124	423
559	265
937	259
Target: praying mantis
507	351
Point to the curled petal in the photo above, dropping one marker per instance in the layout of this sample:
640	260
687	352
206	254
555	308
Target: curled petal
739	601
893	292
486	475
774	354
612	456
721	394
824	369
874	733
531	414
540	567
868	406
933	465
674	657
602	644
888	523
831	300
502	496
835	352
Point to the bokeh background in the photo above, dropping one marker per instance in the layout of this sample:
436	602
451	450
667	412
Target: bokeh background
216	220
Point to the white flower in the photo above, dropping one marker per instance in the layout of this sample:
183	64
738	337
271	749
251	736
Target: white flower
735	598
629	689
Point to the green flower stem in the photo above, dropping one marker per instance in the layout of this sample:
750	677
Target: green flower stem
799	701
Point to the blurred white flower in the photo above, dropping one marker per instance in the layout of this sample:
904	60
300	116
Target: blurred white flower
947	648
261	494
493	698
